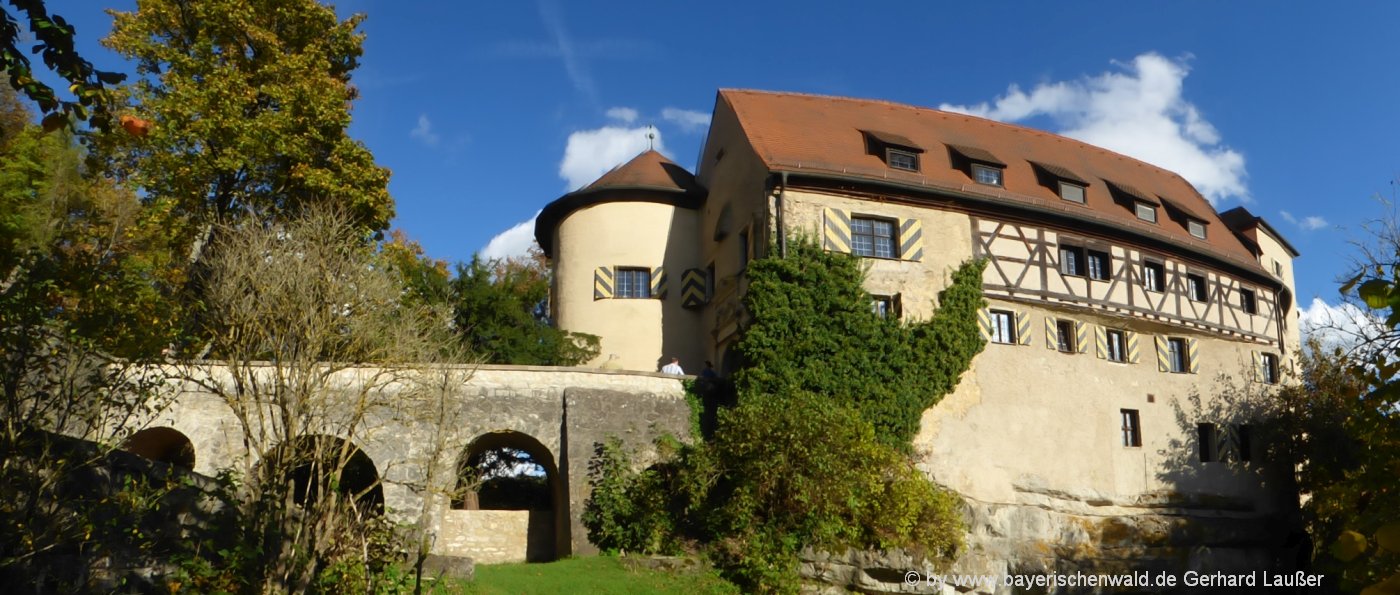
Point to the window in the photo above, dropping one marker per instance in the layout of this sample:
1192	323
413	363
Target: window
744	250
1247	301
1178	360
1072	192
902	159
885	306
1098	265
872	237
633	283
1065	336
710	281
1196	287
1196	228
1003	327
1072	260
1207	443
1117	351
986	174
1146	212
1153	275
1220	444
1278	269
1132	430
1268	368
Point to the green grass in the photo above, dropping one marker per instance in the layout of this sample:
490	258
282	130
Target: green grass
595	574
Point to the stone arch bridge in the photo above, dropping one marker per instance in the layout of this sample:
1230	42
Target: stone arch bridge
557	416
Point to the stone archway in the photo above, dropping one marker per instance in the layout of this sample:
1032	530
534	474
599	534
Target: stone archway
315	458
510	504
163	444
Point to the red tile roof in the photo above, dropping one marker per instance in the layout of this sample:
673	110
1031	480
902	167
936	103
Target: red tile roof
650	170
826	135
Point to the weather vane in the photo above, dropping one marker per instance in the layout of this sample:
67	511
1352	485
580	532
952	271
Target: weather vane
651	136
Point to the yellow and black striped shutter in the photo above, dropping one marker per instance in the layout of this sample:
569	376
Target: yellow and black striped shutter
1050	338
1132	339
1081	336
1257	359
1163	354
1023	327
836	233
693	288
658	283
602	283
911	239
1193	355
984	323
1100	342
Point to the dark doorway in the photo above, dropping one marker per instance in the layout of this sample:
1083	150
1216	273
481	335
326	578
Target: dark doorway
166	445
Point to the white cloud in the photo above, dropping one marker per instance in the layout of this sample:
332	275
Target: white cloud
512	243
688	120
626	115
424	131
1138	111
591	153
1344	325
1309	223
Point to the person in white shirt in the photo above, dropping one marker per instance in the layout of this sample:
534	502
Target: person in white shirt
673	368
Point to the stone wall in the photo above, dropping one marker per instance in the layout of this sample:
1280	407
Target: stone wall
496	536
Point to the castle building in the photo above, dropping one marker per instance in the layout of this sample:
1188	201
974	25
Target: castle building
1128	323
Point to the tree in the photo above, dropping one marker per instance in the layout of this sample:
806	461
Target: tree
812	331
318	347
249	104
54	39
500	312
82	312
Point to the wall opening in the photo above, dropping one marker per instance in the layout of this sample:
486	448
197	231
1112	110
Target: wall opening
166	445
313	469
512	471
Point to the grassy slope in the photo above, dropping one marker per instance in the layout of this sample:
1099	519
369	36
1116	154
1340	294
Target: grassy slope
596	574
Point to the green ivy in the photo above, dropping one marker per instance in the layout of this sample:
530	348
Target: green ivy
812	330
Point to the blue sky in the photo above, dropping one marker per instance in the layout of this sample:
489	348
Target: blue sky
487	111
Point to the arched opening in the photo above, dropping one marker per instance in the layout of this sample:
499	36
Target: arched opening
508	484
317	463
166	445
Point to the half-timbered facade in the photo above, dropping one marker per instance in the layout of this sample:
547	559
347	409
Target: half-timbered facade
1127	323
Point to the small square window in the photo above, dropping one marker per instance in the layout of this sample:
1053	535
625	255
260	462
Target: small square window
1196	287
633	283
1099	265
1247	301
1278	269
1003	327
885	306
1072	192
1065	337
902	159
1146	212
1117	346
1196	228
1153	276
1072	260
986	174
1178	357
1132	429
1268	368
873	237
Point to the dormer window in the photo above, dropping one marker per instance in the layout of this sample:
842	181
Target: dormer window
900	159
896	150
986	174
1072	192
1146	212
1067	184
1197	228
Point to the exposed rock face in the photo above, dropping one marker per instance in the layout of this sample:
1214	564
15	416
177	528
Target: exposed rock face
1037	540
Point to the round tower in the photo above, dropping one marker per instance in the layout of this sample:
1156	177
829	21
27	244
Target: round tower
622	250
